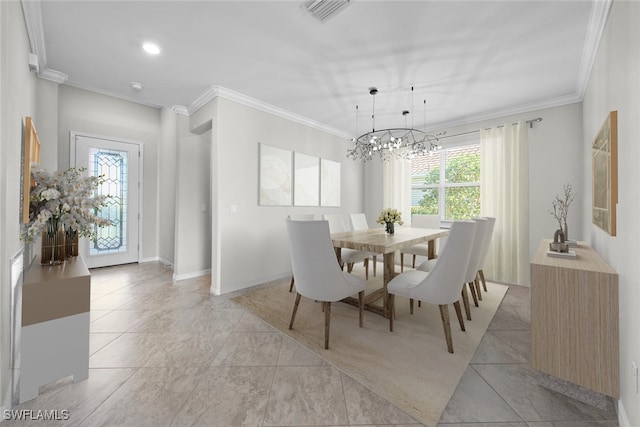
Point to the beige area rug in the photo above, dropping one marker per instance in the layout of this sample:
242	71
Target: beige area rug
409	367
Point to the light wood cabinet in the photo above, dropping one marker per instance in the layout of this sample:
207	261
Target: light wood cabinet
574	319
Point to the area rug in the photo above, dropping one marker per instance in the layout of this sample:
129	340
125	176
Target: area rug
409	367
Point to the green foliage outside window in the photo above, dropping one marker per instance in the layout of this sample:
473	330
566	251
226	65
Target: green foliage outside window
461	202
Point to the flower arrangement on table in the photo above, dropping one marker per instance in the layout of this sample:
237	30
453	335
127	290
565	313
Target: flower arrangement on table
64	201
389	217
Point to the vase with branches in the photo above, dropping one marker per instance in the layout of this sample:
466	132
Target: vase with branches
560	209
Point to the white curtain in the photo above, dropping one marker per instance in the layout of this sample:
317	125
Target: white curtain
396	187
504	194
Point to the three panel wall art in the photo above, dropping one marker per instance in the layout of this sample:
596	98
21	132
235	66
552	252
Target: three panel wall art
290	178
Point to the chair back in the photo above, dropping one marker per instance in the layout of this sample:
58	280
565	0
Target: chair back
486	241
302	217
313	260
425	221
337	223
476	249
359	221
444	283
429	221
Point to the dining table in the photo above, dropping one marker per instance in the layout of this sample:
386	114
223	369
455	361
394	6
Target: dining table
378	241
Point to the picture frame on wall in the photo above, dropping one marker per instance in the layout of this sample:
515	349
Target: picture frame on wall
31	155
329	183
605	175
275	176
306	180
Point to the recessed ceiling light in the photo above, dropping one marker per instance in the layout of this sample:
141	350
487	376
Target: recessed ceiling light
151	48
136	86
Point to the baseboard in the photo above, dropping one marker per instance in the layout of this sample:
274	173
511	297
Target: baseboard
191	275
165	262
5	405
150	259
623	421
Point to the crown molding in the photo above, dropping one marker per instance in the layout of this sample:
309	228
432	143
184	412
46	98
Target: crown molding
113	95
53	75
180	109
595	29
519	109
222	92
33	21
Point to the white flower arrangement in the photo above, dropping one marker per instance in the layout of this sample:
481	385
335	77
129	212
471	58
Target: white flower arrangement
64	198
390	215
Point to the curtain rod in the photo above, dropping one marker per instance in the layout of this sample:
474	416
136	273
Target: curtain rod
529	122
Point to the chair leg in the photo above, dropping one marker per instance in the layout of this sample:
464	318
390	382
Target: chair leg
472	288
392	298
291	285
361	307
327	323
456	305
410	305
295	310
413	264
484	282
401	262
366	268
465	301
349	267
444	315
476	282
375	262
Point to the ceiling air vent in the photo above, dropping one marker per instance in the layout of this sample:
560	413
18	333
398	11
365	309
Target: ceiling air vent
323	10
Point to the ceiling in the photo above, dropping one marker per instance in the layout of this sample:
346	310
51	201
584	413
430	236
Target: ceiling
470	60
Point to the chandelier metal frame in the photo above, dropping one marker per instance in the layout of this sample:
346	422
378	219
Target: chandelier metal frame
402	143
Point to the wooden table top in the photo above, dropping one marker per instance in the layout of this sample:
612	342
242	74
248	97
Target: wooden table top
376	240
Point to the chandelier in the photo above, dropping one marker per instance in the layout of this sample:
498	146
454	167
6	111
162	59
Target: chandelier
402	143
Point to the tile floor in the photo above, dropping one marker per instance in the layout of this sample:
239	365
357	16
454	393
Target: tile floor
167	353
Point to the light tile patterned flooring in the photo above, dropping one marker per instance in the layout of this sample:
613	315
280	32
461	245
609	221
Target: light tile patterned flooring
169	353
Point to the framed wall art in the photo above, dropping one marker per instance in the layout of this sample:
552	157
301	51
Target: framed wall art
329	183
275	177
306	180
605	175
31	155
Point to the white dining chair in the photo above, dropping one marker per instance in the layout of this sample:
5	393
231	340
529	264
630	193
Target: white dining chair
359	222
299	217
347	256
443	284
422	249
485	250
470	274
318	275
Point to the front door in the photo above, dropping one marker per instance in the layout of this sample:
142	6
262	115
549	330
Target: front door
118	162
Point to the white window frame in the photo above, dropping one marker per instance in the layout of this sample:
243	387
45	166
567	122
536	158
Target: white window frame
470	139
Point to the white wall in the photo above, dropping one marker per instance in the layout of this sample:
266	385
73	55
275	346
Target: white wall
17	100
84	111
167	184
193	207
555	153
251	244
615	85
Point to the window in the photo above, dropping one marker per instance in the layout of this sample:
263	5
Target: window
447	183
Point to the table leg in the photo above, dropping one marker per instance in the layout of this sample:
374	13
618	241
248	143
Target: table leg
338	254
389	272
431	249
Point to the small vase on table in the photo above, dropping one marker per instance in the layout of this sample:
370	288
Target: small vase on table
389	228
